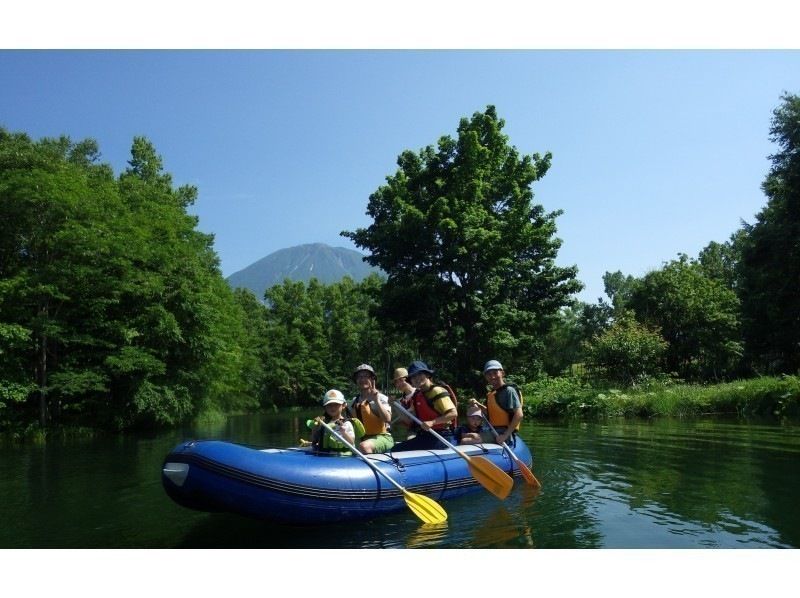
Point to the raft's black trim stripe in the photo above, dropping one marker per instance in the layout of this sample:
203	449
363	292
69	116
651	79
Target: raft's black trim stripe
283	487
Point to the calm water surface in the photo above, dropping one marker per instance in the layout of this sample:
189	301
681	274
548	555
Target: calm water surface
614	484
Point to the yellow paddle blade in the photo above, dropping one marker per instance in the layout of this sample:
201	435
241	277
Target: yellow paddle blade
490	476
427	509
528	474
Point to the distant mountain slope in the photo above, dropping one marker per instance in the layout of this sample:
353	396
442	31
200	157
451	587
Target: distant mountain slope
303	262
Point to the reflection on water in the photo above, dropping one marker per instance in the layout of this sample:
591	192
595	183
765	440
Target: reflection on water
428	535
659	484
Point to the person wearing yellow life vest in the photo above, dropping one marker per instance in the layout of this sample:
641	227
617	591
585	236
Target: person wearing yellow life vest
321	439
503	402
373	410
433	406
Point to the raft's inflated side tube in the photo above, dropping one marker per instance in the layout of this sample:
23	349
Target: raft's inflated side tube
297	486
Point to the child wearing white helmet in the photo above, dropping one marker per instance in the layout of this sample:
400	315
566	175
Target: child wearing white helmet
321	440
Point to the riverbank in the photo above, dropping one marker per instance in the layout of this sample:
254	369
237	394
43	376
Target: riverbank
777	397
575	398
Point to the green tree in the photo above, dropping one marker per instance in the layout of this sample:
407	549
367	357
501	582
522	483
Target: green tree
564	340
352	330
296	370
112	306
627	352
618	287
470	259
698	316
721	260
57	238
770	262
316	334
254	343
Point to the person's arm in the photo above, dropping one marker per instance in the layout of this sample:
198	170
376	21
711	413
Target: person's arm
447	409
515	420
447	416
380	405
408	404
470	438
346	430
483	407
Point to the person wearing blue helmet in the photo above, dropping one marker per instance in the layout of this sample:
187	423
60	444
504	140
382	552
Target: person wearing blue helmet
433	406
503	402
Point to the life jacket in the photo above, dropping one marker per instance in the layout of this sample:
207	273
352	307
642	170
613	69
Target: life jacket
322	439
423	404
373	423
498	416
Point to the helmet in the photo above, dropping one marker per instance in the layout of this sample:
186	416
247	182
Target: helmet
492	364
333	396
364	368
400	373
418	366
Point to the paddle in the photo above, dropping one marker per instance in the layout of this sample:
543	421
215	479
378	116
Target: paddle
526	473
490	476
427	509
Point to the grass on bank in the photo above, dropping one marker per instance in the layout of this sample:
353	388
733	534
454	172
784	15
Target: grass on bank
777	397
574	397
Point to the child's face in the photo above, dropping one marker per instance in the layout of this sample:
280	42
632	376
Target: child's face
474	421
334	410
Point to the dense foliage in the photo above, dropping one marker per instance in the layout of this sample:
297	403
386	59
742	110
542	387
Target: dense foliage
112	306
114	313
770	263
628	352
470	258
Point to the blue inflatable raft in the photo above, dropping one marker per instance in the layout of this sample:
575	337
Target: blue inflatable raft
299	487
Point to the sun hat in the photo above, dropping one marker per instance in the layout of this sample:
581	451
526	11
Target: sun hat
333	396
364	368
400	373
474	411
492	364
418	366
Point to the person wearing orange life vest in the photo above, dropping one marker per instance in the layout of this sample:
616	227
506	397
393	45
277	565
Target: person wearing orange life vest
373	410
503	402
433	406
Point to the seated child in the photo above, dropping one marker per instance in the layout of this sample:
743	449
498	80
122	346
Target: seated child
475	431
321	439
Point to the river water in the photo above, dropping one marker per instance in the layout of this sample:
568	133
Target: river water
661	483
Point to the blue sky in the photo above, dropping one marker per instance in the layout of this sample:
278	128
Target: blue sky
654	152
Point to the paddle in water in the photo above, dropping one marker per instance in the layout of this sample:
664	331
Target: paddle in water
489	475
427	509
526	472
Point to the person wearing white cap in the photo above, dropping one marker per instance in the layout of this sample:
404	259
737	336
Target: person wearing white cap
474	431
503	402
322	440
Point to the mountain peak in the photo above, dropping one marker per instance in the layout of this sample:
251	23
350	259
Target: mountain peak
302	262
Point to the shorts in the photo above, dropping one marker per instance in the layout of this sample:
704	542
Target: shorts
381	442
